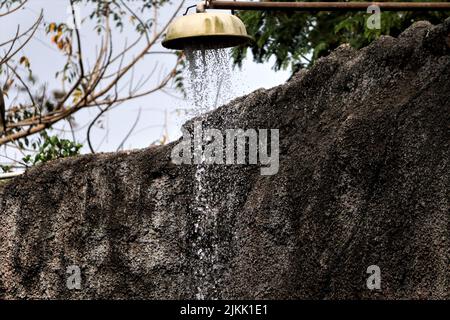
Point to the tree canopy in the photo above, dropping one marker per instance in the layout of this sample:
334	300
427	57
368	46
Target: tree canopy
297	39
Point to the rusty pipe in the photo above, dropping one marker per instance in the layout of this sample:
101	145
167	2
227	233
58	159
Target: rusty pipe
327	6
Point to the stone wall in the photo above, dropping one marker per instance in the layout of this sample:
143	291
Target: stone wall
363	180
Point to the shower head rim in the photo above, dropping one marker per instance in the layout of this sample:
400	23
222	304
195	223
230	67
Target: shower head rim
180	42
216	30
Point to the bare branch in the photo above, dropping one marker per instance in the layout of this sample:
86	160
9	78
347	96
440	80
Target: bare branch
14	10
35	27
98	88
130	131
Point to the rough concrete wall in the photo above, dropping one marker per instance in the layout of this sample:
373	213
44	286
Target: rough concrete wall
363	180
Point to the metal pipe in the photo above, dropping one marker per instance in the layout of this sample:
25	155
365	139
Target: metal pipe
328	6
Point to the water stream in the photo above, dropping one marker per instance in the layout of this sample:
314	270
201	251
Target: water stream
209	79
209	85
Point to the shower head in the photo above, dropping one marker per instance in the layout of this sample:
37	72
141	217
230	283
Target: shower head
206	31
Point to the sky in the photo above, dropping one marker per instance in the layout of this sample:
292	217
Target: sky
155	110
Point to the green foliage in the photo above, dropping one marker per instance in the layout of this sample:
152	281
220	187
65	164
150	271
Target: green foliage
178	79
296	40
53	148
6	168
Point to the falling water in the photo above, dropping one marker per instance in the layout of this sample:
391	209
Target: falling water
208	86
209	79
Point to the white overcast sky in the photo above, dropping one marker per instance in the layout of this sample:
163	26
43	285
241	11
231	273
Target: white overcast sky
46	60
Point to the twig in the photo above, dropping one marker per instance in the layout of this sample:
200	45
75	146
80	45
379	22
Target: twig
14	10
131	130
